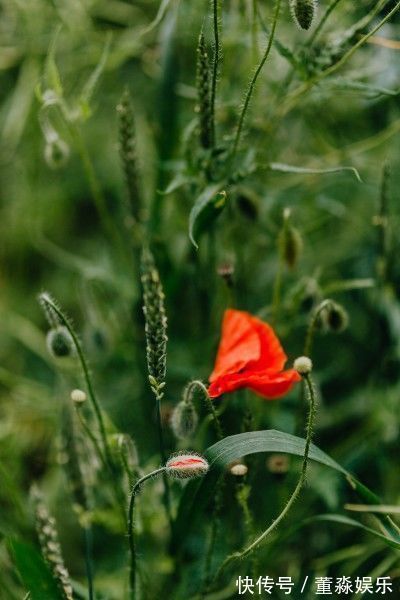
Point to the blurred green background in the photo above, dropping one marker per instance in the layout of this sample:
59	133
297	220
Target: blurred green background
65	228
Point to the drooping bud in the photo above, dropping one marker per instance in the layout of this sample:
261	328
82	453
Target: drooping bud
303	12
335	317
187	466
290	242
184	419
303	365
59	342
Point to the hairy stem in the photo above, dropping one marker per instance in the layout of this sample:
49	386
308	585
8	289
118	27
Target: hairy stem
131	529
309	432
253	81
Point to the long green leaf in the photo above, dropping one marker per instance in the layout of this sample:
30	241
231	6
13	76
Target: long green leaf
343	520
33	571
197	494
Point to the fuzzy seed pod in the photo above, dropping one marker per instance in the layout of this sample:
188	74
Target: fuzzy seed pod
78	397
50	546
184	419
303	365
239	470
156	323
303	12
203	94
335	317
59	342
127	150
187	466
290	242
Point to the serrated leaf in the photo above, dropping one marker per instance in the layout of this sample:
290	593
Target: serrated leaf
283	168
206	209
33	571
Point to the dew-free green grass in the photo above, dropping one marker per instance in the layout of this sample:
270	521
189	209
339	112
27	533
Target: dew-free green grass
196	196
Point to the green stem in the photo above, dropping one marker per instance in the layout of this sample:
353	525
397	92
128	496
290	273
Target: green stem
294	97
89	560
253	81
166	495
215	67
90	435
85	370
52	306
131	529
309	432
323	20
96	191
312	326
276	297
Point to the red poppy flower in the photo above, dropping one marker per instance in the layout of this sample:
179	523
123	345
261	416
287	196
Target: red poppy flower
250	355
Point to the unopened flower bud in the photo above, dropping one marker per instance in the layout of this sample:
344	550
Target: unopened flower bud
239	470
184	419
78	397
303	365
226	271
303	12
290	242
59	342
335	317
186	466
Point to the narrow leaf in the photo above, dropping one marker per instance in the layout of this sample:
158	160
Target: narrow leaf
282	168
206	209
33	571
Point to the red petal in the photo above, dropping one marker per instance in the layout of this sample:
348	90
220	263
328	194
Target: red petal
272	354
267	385
240	344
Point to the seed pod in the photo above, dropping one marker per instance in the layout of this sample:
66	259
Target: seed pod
60	343
187	466
184	419
239	470
303	12
290	242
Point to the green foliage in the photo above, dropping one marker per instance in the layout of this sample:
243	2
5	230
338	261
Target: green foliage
233	117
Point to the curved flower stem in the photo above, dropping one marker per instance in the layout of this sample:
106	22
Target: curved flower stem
296	492
312	326
52	306
131	529
253	81
85	370
209	403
